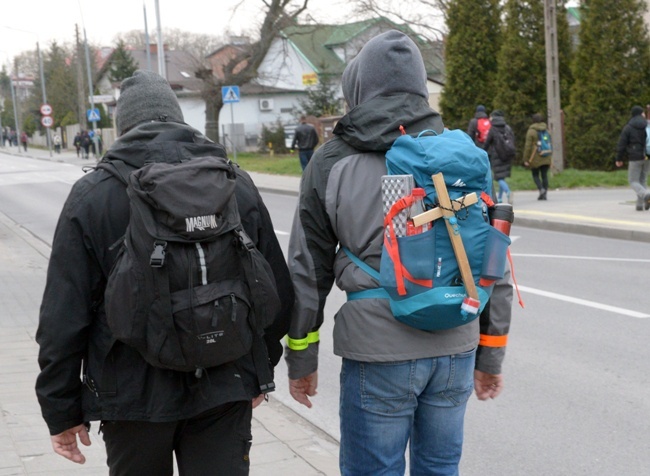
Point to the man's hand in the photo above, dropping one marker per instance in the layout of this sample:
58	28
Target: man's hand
303	388
65	443
258	400
487	385
619	163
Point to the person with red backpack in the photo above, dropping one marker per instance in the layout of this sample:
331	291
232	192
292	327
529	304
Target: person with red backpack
479	126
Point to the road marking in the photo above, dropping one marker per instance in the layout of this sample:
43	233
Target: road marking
582	218
584	302
590	258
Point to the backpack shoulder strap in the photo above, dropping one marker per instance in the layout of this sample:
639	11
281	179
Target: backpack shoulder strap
118	169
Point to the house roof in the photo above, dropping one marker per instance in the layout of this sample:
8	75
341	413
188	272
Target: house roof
180	66
316	43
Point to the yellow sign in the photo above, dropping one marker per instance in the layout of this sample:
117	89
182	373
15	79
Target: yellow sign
309	79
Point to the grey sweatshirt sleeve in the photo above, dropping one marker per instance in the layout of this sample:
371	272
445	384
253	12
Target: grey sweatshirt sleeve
312	249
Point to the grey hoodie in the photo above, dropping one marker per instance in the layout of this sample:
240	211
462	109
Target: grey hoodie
340	205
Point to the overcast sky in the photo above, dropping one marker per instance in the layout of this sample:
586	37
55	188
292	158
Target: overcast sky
24	22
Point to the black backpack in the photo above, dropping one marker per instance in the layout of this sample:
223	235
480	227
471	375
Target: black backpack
504	144
189	289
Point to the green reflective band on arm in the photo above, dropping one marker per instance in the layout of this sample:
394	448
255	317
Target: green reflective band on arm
302	344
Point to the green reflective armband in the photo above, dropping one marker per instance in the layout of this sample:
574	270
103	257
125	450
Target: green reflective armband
302	344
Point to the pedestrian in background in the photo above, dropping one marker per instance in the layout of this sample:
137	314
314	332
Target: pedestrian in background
305	139
500	146
23	140
539	164
632	146
399	385
147	413
85	144
479	126
77	143
57	143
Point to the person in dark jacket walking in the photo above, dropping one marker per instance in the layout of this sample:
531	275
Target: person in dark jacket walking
305	139
23	140
399	385
146	412
500	146
479	126
631	145
77	143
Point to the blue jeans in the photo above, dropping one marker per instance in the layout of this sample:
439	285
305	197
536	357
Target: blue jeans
385	405
305	157
503	188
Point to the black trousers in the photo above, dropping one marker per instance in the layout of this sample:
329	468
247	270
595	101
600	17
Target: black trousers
216	442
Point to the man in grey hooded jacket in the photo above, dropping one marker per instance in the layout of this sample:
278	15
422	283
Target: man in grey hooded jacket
399	385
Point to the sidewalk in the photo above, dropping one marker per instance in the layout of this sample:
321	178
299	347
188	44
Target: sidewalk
283	442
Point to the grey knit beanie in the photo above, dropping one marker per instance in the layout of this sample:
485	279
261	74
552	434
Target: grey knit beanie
146	96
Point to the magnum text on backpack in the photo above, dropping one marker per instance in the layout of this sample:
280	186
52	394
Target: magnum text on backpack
189	289
438	266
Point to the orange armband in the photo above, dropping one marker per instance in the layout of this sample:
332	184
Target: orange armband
493	341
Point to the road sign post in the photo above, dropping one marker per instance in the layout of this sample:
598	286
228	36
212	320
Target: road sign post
230	95
47	122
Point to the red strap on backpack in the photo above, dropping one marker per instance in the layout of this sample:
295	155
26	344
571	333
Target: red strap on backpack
390	243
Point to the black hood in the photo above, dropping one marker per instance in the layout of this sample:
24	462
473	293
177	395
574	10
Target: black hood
132	147
498	121
374	125
638	122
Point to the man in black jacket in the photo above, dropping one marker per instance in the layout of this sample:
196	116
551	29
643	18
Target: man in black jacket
306	139
632	143
146	413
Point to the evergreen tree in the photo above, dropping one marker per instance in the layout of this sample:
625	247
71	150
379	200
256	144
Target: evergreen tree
122	63
611	75
521	78
59	82
470	58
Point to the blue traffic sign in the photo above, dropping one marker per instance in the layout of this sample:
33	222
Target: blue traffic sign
93	115
230	94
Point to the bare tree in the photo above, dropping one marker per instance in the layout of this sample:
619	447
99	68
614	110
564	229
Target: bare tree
198	45
425	17
243	65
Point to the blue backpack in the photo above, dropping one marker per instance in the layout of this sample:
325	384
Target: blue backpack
544	146
438	271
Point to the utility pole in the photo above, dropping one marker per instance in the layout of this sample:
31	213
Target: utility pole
81	103
553	84
91	91
146	38
15	99
162	67
40	67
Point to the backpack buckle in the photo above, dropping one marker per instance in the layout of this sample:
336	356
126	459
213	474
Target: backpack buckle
244	239
158	256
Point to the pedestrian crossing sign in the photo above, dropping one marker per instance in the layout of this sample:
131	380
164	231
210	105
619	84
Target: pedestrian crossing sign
93	115
230	94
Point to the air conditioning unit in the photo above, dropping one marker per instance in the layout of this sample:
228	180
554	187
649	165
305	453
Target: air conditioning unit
266	104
